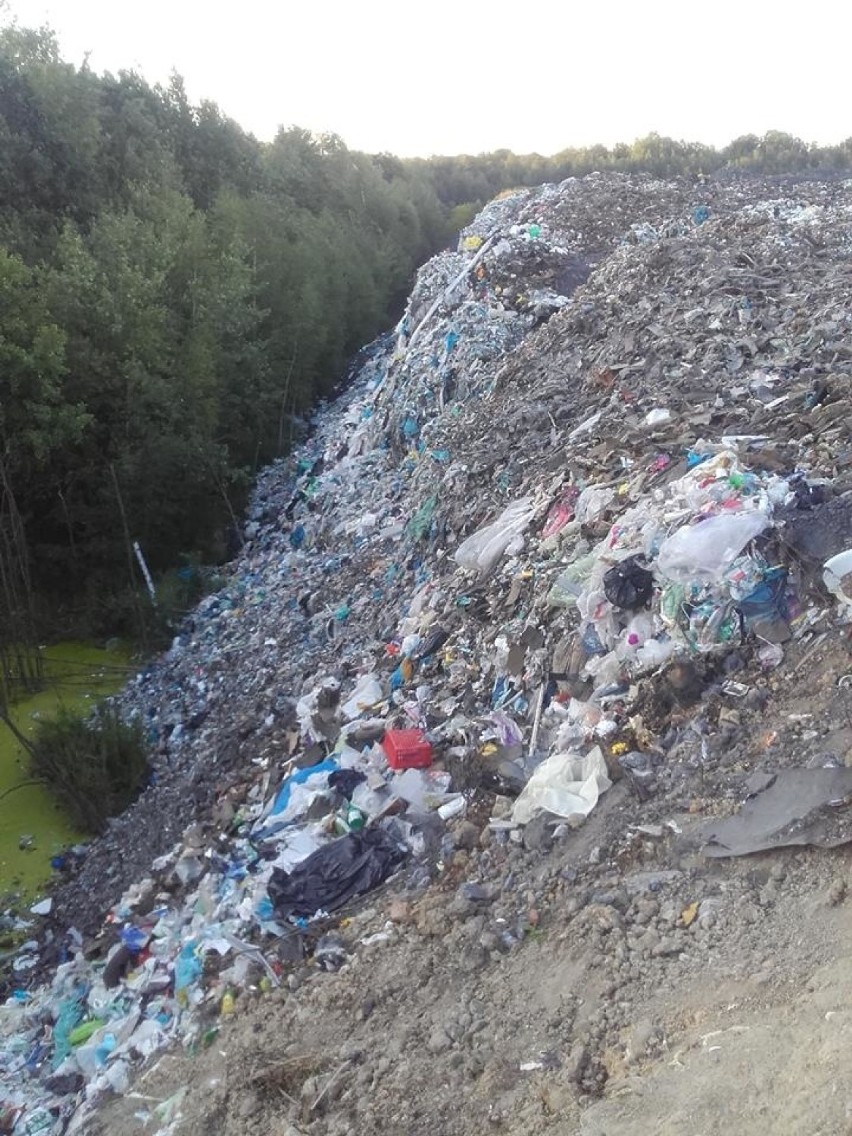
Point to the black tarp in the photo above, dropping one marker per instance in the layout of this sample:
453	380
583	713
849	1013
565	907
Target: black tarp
335	873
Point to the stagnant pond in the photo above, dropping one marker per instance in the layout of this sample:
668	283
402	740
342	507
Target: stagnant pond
33	829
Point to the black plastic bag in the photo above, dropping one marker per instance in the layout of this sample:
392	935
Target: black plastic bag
628	585
345	781
335	873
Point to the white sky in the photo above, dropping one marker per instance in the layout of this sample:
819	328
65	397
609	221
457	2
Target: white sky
466	76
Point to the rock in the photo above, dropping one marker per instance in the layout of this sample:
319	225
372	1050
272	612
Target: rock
466	836
836	892
399	911
666	947
641	1037
438	1041
350	1051
617	898
248	1106
538	834
576	1062
479	893
489	941
430	918
649	941
460	908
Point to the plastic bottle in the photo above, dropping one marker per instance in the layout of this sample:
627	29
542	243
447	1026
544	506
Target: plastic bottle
638	630
654	652
187	970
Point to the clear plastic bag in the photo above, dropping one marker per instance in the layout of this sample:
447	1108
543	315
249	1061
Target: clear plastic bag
704	551
482	551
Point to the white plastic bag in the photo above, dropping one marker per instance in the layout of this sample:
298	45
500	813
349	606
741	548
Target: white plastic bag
654	652
837	576
704	551
366	694
565	784
483	550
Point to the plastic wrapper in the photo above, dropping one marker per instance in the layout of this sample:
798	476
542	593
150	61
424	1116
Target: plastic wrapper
592	504
366	694
570	584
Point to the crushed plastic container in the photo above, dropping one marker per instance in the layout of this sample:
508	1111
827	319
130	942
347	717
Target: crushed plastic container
407	749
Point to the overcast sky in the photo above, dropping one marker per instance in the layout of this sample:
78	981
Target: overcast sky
465	76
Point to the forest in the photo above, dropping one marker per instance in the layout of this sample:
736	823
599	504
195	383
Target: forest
175	295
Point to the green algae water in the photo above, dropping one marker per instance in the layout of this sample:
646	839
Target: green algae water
33	827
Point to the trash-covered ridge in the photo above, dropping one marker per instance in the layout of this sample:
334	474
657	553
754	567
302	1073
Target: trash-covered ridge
561	530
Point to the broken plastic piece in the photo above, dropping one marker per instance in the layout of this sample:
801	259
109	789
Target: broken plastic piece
838	576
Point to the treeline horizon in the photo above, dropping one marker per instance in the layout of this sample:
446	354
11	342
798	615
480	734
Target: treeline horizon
175	295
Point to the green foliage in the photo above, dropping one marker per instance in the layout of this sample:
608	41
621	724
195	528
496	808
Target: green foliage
35	415
462	215
172	294
94	766
477	178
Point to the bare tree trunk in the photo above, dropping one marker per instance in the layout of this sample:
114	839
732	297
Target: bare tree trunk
128	545
284	396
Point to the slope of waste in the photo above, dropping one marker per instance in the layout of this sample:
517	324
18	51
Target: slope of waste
541	631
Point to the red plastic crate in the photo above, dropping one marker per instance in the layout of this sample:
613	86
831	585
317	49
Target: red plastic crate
407	749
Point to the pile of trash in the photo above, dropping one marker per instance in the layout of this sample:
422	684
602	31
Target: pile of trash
596	480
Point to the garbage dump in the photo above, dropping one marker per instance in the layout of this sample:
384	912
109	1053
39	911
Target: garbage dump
593	490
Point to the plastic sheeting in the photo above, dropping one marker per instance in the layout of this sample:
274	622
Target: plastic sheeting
702	552
794	807
293	797
566	785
